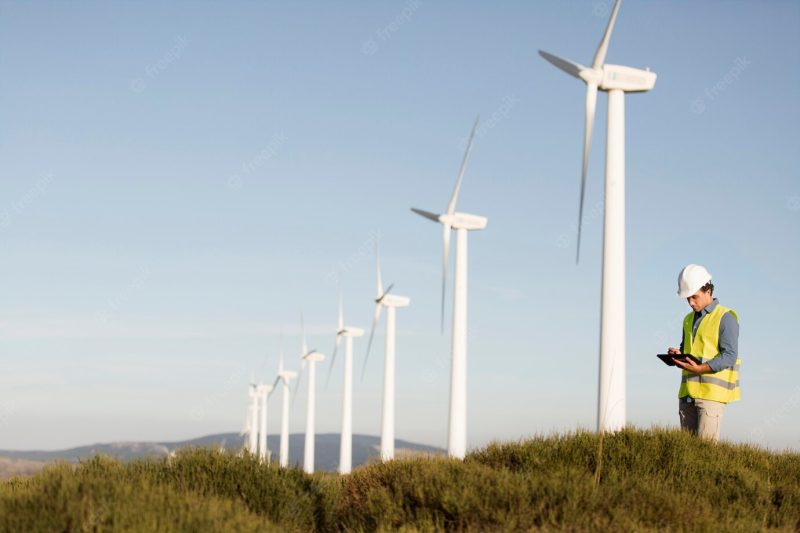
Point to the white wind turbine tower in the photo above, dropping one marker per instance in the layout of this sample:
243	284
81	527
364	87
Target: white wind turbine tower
263	391
310	358
252	423
461	222
616	80
285	377
390	302
346	436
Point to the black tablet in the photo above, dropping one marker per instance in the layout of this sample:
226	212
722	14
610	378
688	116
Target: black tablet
669	358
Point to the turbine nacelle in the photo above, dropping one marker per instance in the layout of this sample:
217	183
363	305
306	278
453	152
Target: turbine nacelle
350	331
287	375
263	389
627	79
313	356
394	300
456	220
464	221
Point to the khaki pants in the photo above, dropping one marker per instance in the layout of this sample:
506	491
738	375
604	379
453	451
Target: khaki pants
701	417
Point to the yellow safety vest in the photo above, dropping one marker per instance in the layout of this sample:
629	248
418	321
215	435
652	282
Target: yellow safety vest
722	386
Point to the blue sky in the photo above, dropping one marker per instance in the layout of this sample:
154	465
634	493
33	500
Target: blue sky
180	182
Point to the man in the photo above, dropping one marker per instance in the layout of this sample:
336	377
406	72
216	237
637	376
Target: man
711	334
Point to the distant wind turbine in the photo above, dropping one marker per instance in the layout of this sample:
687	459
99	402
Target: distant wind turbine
284	377
309	358
346	436
616	80
461	222
263	391
390	302
252	426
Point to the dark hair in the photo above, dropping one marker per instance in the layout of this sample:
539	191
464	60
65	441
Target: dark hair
708	287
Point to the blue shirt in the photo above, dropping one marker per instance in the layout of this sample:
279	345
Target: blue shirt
728	338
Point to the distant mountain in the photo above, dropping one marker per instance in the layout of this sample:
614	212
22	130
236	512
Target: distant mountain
365	449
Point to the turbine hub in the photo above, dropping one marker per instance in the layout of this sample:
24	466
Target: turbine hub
464	221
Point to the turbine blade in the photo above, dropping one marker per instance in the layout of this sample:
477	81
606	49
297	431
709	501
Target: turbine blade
591	105
375	317
445	257
333	359
274	386
426	214
304	346
299	379
379	288
385	293
570	67
602	49
451	207
340	322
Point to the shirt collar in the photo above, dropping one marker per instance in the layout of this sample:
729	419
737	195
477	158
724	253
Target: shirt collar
710	307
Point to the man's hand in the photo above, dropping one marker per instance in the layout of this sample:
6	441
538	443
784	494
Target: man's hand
672	350
693	367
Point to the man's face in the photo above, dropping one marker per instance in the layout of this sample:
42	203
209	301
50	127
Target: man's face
699	300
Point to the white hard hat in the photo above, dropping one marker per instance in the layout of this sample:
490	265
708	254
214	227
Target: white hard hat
691	279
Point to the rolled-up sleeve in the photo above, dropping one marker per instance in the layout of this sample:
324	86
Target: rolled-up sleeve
728	344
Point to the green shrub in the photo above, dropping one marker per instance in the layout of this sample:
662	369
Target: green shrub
99	496
286	496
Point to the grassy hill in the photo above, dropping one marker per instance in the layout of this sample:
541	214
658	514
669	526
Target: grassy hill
632	480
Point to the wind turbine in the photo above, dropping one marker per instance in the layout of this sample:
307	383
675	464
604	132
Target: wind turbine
462	223
252	425
390	302
263	391
285	377
247	431
616	80
310	358
346	436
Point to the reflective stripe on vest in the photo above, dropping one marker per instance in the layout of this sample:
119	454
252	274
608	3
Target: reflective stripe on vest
722	386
